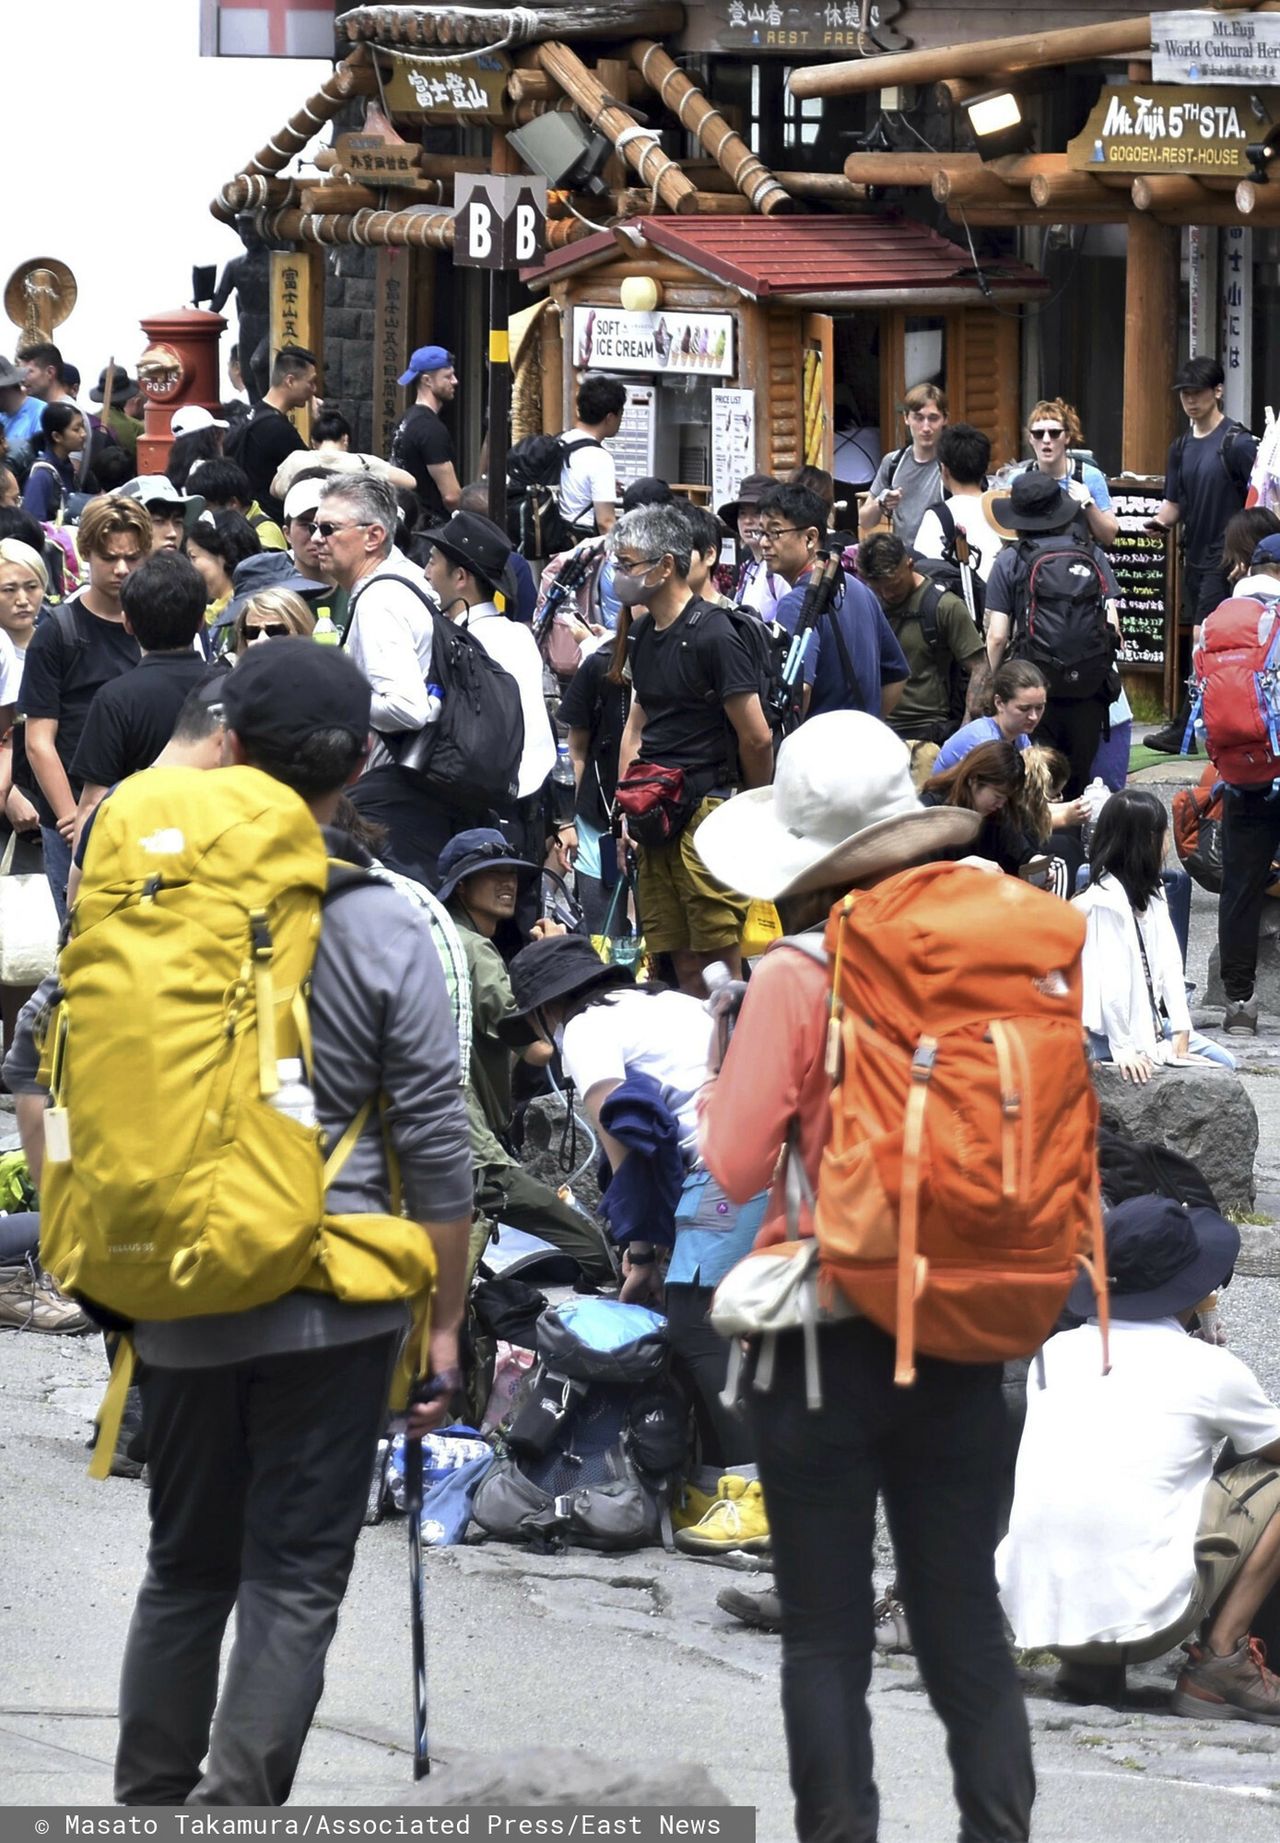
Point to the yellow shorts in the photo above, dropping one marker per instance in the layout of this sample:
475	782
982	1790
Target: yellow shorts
682	907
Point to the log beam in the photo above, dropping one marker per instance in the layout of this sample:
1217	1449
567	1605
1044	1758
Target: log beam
979	58
641	150
974	186
537	86
698	117
1069	191
1172	192
905	169
471	27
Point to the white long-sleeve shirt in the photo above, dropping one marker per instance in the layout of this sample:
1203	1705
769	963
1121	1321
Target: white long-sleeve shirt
390	640
1116	1001
514	648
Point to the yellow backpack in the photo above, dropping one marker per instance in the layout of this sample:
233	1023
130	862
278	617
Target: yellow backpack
172	1187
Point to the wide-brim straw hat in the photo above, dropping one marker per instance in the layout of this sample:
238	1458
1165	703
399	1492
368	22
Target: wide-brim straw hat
842	809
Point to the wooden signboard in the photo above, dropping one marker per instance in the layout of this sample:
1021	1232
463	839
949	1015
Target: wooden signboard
376	162
390	343
292	319
474	85
1215	47
1144	569
1166	128
802	25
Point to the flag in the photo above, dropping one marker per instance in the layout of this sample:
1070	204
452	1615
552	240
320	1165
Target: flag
267	28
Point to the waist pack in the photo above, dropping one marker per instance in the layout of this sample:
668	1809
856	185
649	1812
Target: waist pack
958	1193
470	756
1197	833
182	984
1061	596
658	802
600	1432
1237	691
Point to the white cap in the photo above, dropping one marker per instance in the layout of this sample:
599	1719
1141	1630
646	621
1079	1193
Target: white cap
303	499
194	416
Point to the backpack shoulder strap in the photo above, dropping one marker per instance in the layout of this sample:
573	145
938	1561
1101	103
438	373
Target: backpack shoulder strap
811	944
893	461
1077	470
64	619
927	614
586	441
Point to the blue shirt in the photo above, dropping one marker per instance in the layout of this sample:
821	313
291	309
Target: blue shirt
982	729
23	426
873	648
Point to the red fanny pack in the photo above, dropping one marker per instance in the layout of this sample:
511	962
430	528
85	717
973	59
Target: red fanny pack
656	801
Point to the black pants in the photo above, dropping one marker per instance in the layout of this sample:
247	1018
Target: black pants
1250	837
1074	726
259	1476
418	828
513	1195
935	1451
703	1355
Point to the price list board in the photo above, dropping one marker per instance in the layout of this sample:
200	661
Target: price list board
1143	564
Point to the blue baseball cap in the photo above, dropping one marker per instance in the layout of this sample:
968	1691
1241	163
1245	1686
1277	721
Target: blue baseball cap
1268	551
426	358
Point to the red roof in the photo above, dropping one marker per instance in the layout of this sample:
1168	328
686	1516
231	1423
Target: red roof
810	255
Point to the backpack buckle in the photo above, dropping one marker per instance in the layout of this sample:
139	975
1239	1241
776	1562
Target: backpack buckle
259	935
922	1062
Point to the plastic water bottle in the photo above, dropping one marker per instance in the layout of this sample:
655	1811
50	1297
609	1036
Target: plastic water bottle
562	773
1096	795
325	633
293	1096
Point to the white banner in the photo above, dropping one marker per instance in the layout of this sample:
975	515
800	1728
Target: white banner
1221	47
611	339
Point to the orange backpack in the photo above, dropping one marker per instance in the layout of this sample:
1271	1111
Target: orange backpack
958	1195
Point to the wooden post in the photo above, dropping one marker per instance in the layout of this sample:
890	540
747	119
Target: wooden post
614	75
694	113
1150	344
893	376
642	151
390	342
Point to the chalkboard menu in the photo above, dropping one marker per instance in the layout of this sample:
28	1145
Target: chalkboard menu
1143	569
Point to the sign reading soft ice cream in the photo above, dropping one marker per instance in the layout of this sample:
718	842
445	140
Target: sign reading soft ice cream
611	339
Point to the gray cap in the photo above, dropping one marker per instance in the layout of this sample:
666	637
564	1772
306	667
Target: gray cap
9	374
159	490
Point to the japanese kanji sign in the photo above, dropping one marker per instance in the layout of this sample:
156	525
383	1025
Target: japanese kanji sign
1215	47
291	313
461	86
266	28
501	222
1165	128
376	162
785	25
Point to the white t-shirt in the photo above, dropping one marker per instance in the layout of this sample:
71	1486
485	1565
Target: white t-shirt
11	661
985	542
1111	1474
588	477
664	1035
514	648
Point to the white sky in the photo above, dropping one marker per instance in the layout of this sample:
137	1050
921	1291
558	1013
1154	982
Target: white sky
116	176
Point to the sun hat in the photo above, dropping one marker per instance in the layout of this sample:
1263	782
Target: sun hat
1162	1259
750	493
474	541
556	968
1035	502
478	848
842	807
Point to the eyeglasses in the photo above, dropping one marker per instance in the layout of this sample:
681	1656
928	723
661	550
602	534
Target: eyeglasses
635	566
324	528
276	631
308	525
1046	435
773	532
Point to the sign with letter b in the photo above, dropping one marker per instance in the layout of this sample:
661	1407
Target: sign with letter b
501	221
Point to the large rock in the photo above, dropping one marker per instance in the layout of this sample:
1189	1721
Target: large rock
1204	1113
556	1776
1266	985
540	1154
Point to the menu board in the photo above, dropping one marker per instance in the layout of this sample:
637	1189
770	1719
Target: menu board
632	446
1143	566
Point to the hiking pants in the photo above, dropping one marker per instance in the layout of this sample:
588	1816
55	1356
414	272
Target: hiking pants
1250	838
418	826
259	1477
1073	725
935	1451
515	1196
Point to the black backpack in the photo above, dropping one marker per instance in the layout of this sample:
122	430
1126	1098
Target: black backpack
1143	1168
1230	445
949	667
768	655
953	570
470	756
1061	626
535	524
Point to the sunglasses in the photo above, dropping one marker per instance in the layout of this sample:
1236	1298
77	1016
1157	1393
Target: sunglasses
325	528
276	631
1046	435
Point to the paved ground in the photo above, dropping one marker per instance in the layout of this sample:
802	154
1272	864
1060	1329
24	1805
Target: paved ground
591	1653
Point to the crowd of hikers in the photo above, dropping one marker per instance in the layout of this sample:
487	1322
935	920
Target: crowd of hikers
792	875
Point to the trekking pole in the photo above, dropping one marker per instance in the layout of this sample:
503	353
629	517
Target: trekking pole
823	592
569	580
417	1604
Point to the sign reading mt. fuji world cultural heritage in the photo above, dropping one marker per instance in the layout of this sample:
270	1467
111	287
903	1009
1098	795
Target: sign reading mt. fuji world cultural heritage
1215	47
1165	128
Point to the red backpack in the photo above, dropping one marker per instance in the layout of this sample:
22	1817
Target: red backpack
958	1194
1237	695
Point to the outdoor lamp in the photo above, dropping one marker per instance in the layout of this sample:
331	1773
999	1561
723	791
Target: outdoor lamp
997	123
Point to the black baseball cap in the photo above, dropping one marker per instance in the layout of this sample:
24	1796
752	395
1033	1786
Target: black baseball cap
281	693
1199	373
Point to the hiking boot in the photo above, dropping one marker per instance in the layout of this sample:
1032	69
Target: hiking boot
689	1505
29	1301
1234	1688
892	1631
1240	1019
736	1520
762	1610
1168	741
1090	1683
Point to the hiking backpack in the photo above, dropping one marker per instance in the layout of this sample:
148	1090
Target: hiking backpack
958	1191
768	655
1197	833
470	756
952	672
1237	691
535	524
953	570
590	1452
1229	446
172	1186
1061	616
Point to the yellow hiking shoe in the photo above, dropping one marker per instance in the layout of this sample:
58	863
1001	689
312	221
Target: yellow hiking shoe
690	1505
736	1520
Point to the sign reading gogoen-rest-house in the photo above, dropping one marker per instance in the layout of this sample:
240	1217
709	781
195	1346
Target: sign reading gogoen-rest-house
1215	47
1164	128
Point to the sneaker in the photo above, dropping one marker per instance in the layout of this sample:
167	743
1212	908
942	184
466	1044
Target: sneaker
1234	1688
1168	741
762	1610
29	1301
1241	1017
736	1520
689	1506
892	1630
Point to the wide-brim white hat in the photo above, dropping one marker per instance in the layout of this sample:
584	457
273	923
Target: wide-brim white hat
842	808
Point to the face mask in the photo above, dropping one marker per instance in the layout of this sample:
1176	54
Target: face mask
632	589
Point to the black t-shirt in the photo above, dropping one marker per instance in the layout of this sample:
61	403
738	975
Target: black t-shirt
68	661
682	676
132	718
423	442
269	438
1208	479
591	703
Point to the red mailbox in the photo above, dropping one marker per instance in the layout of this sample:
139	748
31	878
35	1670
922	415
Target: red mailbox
178	367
